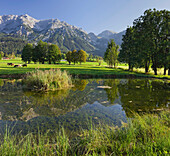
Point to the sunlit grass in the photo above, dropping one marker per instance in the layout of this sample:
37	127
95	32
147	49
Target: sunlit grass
88	68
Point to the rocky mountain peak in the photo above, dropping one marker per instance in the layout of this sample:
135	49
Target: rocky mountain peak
106	34
66	36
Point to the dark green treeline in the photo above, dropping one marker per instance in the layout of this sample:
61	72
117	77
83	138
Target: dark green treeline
42	52
146	43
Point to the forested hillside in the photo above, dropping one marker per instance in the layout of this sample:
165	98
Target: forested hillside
11	45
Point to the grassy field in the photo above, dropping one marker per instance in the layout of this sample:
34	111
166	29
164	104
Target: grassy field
88	68
143	135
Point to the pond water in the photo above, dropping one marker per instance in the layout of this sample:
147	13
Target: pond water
108	101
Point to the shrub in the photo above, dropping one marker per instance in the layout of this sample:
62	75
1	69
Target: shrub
47	80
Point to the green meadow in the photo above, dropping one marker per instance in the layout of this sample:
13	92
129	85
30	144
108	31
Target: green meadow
88	68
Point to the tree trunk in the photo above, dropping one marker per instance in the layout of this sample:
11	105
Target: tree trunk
165	69
146	68
155	70
49	61
114	65
129	66
169	71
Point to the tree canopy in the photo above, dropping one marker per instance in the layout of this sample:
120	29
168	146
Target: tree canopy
146	43
41	52
82	56
111	54
27	53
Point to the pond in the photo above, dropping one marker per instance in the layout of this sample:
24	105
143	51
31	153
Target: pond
100	101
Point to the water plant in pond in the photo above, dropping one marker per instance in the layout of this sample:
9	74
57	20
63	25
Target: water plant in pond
47	80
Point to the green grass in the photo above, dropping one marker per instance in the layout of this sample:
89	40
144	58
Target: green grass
88	68
147	134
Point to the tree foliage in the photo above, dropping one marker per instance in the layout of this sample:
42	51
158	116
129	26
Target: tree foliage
41	52
74	56
54	54
10	44
111	54
82	56
147	43
69	57
27	53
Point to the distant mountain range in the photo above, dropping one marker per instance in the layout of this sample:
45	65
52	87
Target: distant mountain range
66	36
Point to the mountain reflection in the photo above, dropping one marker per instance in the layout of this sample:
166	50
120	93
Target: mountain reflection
73	107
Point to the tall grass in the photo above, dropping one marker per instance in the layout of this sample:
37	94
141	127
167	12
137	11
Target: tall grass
144	135
31	145
47	80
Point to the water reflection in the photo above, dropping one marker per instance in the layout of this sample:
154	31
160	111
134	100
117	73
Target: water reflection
144	95
85	102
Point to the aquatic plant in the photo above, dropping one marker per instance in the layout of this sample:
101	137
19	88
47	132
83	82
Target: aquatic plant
47	80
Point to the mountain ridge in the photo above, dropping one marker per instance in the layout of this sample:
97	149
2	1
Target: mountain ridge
66	36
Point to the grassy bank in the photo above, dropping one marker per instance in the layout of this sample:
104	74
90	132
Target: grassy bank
144	135
87	70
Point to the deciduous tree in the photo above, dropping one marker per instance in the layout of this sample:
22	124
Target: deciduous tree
82	56
54	54
111	54
27	53
69	57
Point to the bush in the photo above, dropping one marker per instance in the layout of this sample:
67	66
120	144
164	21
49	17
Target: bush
47	80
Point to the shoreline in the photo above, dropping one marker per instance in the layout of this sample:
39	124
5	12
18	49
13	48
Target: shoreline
88	76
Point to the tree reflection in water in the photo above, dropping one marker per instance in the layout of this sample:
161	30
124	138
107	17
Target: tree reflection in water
84	102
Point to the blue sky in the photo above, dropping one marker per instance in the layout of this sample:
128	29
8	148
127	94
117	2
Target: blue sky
90	15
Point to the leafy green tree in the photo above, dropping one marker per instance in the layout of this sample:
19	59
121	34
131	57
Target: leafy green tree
35	56
0	57
27	53
54	54
74	56
127	53
111	54
82	56
42	51
142	42
164	40
147	41
69	57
